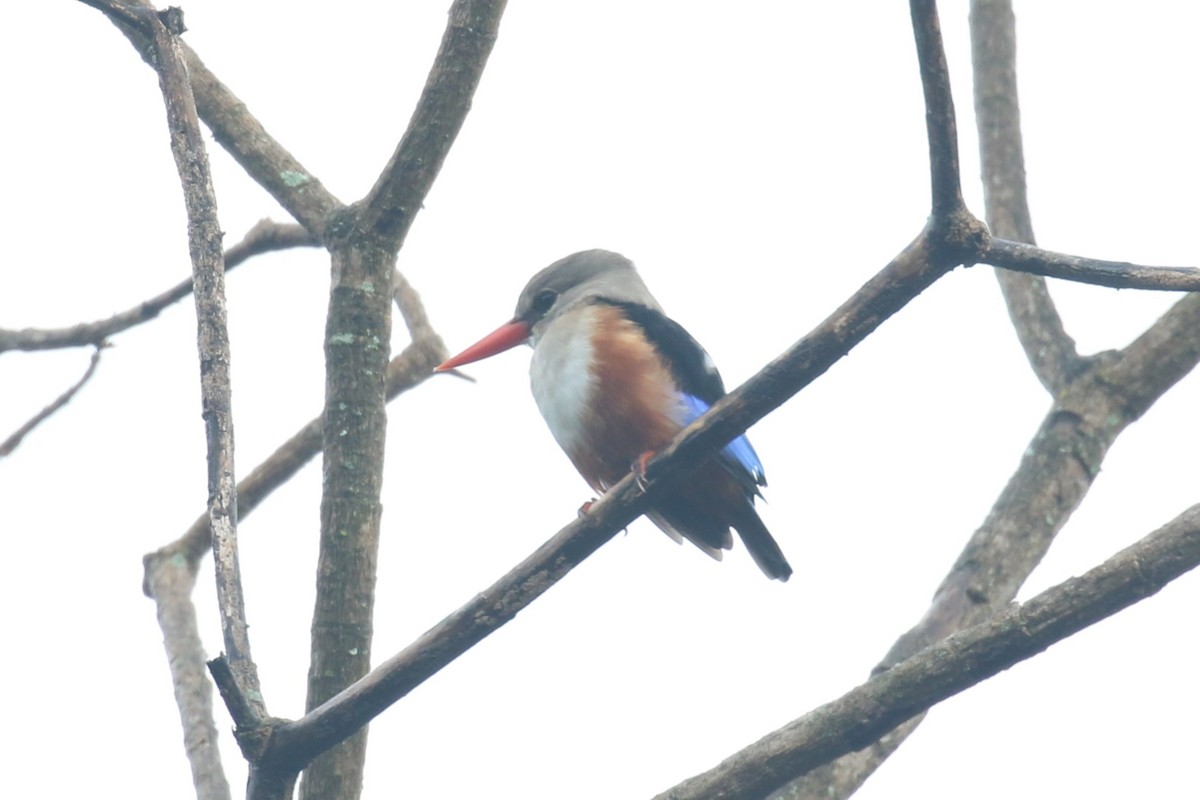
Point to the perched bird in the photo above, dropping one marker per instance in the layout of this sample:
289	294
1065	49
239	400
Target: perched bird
616	379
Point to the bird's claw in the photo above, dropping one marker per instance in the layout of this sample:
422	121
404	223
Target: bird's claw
638	468
586	507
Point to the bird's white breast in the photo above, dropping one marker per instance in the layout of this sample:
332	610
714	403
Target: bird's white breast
561	377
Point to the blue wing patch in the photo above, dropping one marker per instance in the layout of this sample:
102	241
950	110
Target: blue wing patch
738	456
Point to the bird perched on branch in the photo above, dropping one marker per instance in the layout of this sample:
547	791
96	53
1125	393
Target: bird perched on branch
616	379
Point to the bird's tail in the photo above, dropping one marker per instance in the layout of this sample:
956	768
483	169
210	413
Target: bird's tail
762	545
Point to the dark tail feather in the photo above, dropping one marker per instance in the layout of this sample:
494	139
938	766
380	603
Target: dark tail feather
762	546
705	509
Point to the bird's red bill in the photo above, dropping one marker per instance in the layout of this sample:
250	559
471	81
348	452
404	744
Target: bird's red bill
507	336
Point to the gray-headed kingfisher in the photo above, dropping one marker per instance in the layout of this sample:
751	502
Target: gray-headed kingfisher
616	379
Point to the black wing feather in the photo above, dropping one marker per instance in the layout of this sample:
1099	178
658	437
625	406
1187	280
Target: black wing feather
689	363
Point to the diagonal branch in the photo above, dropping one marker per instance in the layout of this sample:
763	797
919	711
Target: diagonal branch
394	213
14	441
950	666
239	132
922	262
266	236
1055	474
410	368
393	202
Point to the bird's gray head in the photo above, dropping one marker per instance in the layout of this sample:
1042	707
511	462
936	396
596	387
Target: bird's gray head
580	278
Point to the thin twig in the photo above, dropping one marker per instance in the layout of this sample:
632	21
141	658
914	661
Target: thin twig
14	441
412	310
408	369
1114	274
266	236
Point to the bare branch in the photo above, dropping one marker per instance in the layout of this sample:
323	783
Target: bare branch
942	670
208	276
348	711
394	201
998	119
171	582
1115	274
412	367
1050	351
1163	355
931	256
357	336
1048	347
170	573
412	310
1056	471
266	236
915	268
237	130
940	127
1058	466
14	441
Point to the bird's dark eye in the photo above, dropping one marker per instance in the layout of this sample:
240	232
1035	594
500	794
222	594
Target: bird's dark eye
543	300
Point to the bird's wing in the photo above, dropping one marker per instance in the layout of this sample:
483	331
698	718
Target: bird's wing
700	385
738	456
693	369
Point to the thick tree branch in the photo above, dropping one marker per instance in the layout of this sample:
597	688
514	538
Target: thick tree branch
14	441
364	244
928	258
1051	352
1055	473
1163	355
266	236
944	669
237	130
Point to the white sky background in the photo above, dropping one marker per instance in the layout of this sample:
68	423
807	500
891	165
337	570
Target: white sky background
759	161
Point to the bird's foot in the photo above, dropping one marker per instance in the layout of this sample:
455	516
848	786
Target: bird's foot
638	468
586	507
